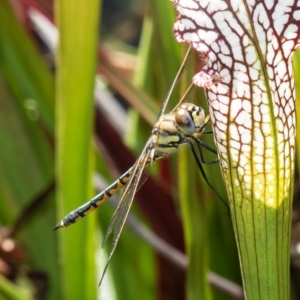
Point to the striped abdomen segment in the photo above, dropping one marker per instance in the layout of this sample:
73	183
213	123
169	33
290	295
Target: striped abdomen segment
88	207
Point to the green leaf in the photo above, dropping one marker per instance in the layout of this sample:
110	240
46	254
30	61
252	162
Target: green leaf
26	155
9	290
76	58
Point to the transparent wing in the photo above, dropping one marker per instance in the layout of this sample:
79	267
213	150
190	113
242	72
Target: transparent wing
119	217
176	79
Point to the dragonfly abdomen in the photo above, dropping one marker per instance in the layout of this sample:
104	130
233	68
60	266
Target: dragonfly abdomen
88	207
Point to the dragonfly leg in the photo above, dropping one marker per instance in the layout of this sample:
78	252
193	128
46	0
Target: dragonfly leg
200	144
207	132
199	164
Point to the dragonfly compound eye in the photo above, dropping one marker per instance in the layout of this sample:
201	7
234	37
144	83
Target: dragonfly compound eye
184	120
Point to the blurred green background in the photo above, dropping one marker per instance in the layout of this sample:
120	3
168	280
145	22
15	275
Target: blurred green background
87	108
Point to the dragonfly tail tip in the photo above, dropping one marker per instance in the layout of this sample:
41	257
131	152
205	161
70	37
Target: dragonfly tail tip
57	226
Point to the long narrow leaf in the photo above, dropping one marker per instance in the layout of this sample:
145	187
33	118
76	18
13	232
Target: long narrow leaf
76	57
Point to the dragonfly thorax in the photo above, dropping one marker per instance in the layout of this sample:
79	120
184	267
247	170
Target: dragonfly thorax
173	129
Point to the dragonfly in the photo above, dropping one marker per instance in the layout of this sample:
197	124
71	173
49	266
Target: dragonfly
182	126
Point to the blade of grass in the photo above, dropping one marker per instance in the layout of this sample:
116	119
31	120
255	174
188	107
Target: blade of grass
76	57
166	52
9	290
25	67
26	159
195	228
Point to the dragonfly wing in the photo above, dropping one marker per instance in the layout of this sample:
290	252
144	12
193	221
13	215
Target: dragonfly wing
119	217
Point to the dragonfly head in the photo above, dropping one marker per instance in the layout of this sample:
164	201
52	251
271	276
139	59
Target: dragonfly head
189	118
